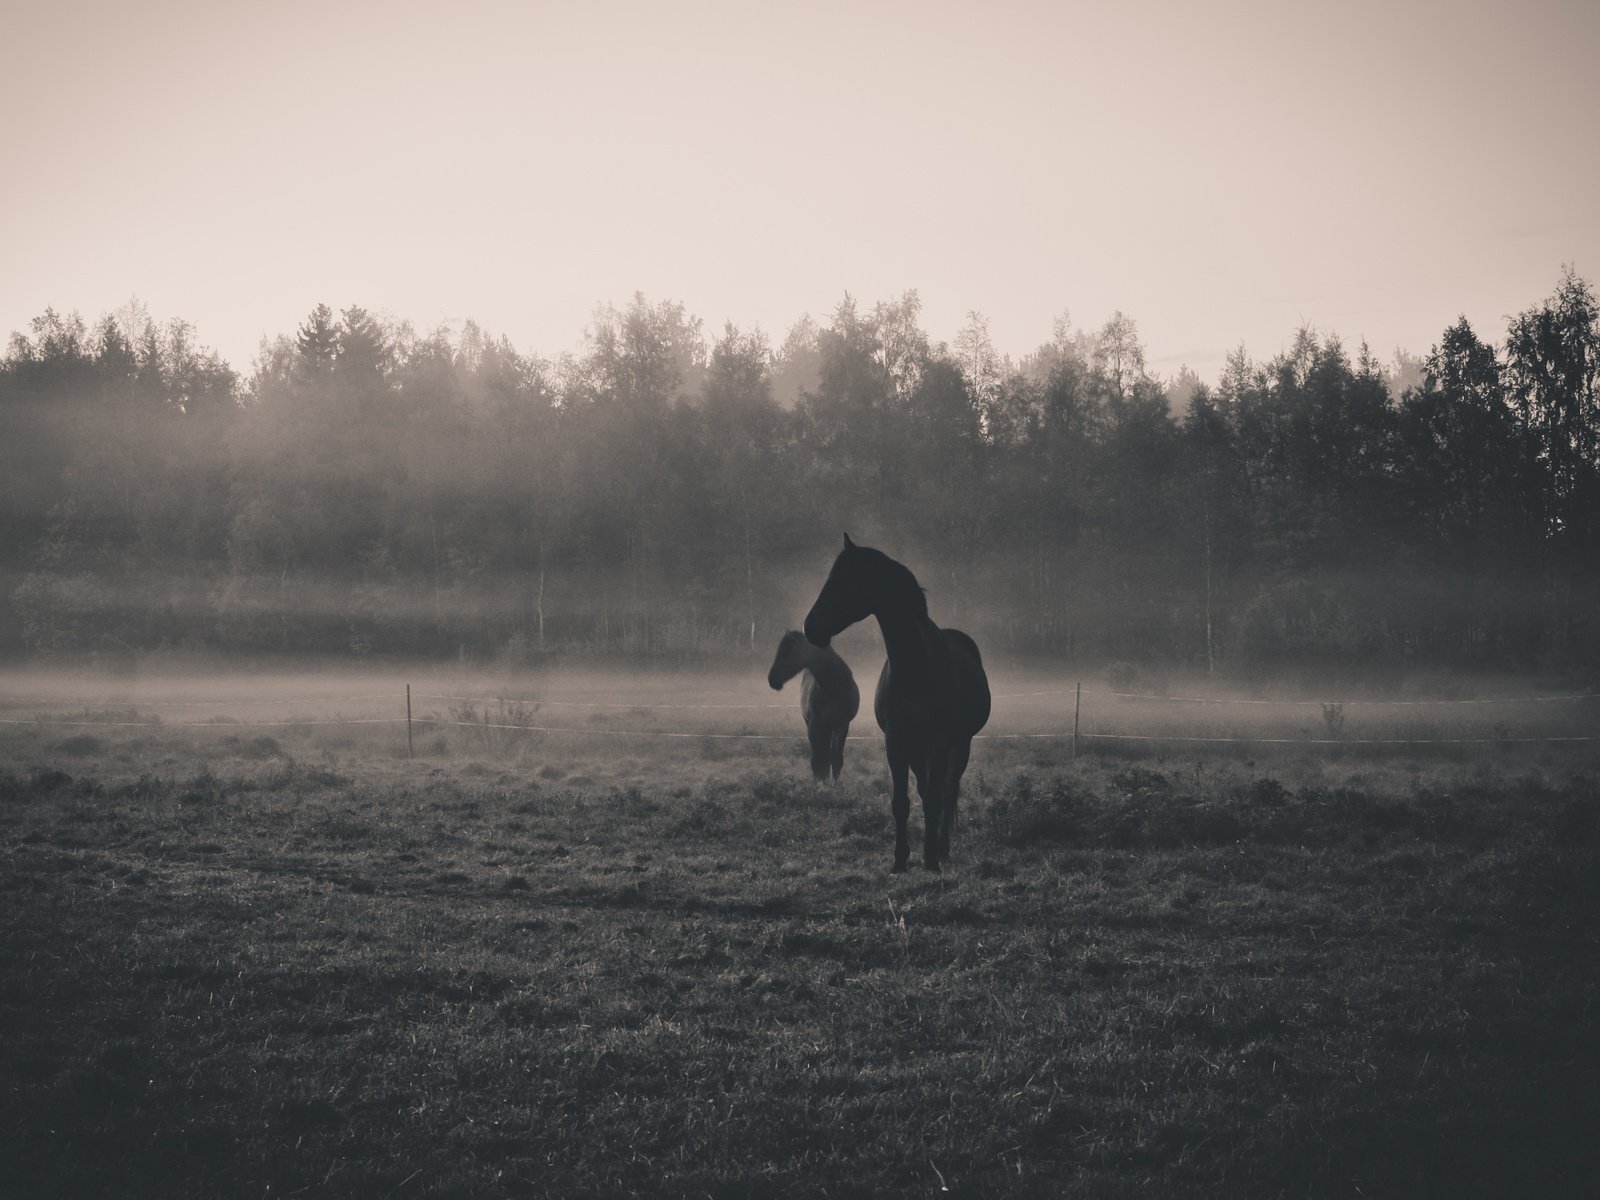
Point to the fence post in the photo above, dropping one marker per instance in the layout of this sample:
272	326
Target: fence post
1077	705
411	749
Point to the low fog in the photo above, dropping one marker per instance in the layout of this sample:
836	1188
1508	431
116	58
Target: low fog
398	504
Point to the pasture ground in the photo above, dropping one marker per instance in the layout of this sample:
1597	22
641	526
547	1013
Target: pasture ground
237	962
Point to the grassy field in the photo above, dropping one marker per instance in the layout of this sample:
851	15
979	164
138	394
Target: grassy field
253	960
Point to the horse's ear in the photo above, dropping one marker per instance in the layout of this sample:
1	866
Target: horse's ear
848	544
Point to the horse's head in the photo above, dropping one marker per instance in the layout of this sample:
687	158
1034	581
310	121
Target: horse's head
846	597
793	653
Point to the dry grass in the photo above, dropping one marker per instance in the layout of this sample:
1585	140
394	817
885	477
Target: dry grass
264	962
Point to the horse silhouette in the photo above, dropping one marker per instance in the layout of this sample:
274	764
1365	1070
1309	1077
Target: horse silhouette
933	695
829	698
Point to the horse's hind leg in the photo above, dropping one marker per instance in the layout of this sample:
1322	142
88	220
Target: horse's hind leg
900	803
959	754
836	755
818	734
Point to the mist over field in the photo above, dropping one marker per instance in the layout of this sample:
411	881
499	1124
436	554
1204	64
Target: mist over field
372	493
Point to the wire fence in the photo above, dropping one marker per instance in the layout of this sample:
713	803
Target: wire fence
128	713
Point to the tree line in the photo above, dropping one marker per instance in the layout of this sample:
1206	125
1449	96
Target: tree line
369	490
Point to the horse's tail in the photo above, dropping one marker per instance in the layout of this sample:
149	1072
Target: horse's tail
975	701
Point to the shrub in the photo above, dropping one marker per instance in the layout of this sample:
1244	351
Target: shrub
1021	816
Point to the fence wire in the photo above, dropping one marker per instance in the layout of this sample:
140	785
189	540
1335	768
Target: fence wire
1081	736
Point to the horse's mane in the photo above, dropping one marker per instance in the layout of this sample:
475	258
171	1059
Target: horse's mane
899	576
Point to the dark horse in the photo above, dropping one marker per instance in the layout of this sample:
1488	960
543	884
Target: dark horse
932	696
829	698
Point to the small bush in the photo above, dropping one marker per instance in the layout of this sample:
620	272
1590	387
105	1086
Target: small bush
50	780
1268	793
1135	781
1022	816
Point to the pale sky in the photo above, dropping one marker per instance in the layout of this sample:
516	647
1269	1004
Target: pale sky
1221	172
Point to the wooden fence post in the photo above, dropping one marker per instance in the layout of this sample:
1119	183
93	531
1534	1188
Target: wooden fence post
411	749
1077	705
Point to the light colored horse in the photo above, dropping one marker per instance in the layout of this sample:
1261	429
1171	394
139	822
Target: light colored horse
829	698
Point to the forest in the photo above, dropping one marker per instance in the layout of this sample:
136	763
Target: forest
667	492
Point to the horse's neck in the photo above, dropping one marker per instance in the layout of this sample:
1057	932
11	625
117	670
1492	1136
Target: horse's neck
826	667
907	638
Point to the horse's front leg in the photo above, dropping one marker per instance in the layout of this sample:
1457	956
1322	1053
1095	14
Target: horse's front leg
959	755
932	787
900	803
836	755
819	736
